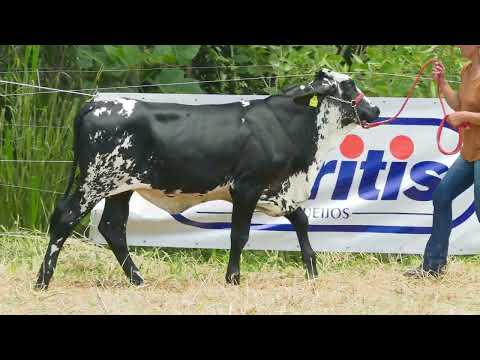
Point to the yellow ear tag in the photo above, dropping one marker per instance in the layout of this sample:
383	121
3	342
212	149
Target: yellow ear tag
313	102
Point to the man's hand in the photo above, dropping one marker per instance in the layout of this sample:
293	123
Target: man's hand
458	118
438	73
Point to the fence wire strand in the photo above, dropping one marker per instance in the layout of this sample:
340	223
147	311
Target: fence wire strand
33	126
52	70
173	67
81	91
30	188
34	161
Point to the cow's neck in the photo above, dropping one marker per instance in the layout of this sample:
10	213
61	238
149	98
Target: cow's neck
330	134
329	125
299	185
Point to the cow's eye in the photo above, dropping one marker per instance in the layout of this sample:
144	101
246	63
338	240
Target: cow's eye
350	83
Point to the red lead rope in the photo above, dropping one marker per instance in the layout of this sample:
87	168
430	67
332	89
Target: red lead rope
442	124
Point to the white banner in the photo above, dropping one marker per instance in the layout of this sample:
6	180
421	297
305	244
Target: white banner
373	193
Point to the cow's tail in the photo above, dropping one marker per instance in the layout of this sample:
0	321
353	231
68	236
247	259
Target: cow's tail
76	131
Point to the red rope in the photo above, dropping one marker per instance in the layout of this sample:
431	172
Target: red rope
442	124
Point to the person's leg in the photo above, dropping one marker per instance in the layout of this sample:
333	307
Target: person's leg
476	187
458	178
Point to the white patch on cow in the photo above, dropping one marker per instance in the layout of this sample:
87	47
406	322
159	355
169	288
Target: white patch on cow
129	164
53	249
127	142
97	135
107	175
128	105
337	77
243	120
333	132
119	161
302	87
100	111
245	103
328	81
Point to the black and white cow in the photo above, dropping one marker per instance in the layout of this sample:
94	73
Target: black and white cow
263	154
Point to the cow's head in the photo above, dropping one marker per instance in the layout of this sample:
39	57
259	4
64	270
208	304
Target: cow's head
337	88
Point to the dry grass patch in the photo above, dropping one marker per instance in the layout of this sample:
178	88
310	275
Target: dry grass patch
88	280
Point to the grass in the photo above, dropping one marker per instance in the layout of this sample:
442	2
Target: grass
88	280
33	127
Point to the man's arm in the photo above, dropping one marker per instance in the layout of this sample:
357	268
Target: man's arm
451	96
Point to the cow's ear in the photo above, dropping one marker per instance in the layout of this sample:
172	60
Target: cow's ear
310	97
306	99
320	75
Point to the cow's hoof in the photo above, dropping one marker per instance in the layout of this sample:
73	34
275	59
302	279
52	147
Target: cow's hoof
311	268
311	276
40	286
137	283
136	279
233	279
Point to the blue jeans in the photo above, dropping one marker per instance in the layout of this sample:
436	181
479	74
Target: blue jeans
459	178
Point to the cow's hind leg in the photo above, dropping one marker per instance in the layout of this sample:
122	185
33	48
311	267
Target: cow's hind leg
68	213
244	198
300	223
113	226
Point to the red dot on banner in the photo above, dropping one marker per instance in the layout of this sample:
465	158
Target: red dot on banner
401	147
352	146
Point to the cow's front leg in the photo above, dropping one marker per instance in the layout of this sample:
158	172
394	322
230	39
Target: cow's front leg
300	223
244	200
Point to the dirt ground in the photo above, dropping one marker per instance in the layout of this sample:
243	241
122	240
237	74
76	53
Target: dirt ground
89	281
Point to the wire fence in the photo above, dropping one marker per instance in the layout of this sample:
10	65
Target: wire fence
123	87
169	67
33	126
35	161
175	67
30	188
81	92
